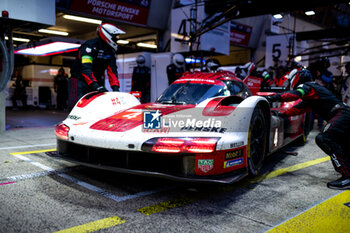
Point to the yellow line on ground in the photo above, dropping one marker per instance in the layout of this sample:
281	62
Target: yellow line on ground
288	169
32	152
166	205
332	215
156	208
95	226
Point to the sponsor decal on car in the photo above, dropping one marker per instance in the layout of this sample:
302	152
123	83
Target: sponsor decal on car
74	117
233	162
205	165
204	129
115	101
233	154
236	144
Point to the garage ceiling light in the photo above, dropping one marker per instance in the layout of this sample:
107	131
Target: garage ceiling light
309	13
297	58
122	42
146	45
52	48
82	19
61	33
18	39
278	16
180	37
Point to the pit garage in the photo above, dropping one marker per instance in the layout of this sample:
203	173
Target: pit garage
43	193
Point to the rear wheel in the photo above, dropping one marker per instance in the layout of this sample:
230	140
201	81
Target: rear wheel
257	138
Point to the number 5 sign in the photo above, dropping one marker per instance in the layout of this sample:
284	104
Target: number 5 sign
277	49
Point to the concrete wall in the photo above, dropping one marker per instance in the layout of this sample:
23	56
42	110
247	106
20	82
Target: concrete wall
159	12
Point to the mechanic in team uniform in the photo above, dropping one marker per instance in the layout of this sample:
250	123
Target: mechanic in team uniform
334	140
176	69
141	79
281	78
251	70
95	56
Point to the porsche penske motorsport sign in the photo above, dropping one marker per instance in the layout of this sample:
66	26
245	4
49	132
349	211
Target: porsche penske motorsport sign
131	11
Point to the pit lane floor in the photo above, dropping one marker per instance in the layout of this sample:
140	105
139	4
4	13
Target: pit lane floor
41	194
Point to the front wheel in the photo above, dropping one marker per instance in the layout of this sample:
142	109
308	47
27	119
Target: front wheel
257	139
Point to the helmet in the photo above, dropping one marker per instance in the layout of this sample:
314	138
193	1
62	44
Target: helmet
178	60
140	60
212	65
299	76
109	33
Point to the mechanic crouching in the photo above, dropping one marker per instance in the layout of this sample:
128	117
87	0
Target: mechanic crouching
334	140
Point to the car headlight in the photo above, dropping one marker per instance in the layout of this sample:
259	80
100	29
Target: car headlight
180	145
61	131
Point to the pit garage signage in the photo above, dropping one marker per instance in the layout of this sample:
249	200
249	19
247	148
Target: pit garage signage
277	49
133	11
240	34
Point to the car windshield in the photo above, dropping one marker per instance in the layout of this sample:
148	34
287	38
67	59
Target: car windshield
191	93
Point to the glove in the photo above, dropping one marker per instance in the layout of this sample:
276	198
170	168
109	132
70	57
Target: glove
115	88
273	98
101	89
98	88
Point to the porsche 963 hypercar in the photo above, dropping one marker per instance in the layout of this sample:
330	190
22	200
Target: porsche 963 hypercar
205	127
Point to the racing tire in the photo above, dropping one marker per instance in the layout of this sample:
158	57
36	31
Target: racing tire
257	141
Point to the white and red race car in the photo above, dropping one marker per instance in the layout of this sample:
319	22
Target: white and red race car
205	127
